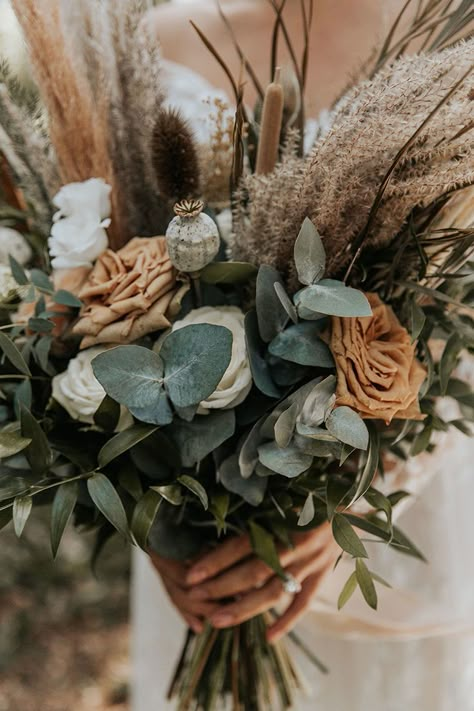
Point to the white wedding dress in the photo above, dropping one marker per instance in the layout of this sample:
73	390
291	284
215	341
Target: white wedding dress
416	653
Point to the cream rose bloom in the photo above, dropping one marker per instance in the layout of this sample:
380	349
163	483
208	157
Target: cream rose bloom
12	243
78	235
236	382
80	393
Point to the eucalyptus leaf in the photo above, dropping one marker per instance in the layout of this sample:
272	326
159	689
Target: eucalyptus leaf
346	537
310	255
157	457
195	359
318	433
307	512
301	343
252	489
133	376
228	272
144	516
317	401
196	439
335	299
123	441
348	427
285	426
11	443
105	497
263	545
21	512
271	315
41	352
288	462
18	272
40	325
196	488
63	506
347	591
41	281
13	354
107	414
366	583
286	302
255	347
248	455
65	298
370	467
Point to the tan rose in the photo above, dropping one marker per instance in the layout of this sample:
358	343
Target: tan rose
129	293
378	375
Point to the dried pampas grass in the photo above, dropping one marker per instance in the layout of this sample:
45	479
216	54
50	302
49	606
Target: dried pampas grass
337	184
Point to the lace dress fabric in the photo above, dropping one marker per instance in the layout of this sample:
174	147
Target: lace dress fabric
416	653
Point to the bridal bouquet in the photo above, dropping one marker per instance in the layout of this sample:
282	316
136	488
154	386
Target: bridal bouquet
201	341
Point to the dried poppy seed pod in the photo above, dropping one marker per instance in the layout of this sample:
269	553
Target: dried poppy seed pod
192	237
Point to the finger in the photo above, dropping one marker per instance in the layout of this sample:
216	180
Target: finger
250	605
242	578
224	556
194	623
299	606
173	569
181	600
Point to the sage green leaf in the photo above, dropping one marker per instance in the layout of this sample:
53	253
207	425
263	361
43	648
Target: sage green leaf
41	352
449	360
318	401
41	281
228	272
195	359
18	272
370	467
348	427
289	462
380	580
196	439
304	313
105	497
248	456
171	493
317	448
196	488
252	489
263	545
417	320
13	354
157	457
286	302
11	486
219	507
133	376
335	299
346	537
346	452
336	492
301	343
130	482
307	512
318	433
381	529
255	347
23	397
38	453
347	591
285	426
124	441
421	441
172	538
21	512
272	317
310	255
65	298
107	414
366	583
143	517
63	506
40	325
11	443
158	414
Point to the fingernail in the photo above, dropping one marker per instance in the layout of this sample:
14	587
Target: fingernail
222	620
197	575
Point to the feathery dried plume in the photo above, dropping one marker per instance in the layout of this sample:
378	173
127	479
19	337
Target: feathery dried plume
337	184
216	156
175	157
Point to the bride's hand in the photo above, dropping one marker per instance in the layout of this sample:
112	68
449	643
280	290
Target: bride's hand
232	570
174	576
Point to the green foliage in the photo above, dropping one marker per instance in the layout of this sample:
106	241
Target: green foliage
334	299
228	273
63	506
105	497
301	343
310	255
272	316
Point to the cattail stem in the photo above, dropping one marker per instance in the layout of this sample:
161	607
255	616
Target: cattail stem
272	116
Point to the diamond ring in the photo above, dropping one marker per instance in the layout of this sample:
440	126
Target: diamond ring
291	584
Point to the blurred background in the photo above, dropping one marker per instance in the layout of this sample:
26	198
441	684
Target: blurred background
64	630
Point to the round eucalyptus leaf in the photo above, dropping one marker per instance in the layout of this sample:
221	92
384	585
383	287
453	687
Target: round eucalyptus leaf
195	440
335	299
348	427
301	343
195	359
289	462
252	489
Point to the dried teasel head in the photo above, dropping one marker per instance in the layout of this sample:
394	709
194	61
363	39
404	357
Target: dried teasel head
175	156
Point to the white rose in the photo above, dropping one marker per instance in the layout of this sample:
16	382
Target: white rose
78	234
13	243
79	391
9	289
77	242
91	196
237	380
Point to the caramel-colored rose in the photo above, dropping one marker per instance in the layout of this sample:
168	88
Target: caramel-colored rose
129	293
378	375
